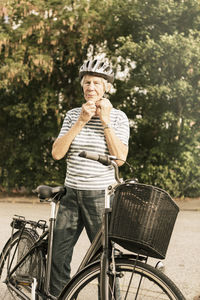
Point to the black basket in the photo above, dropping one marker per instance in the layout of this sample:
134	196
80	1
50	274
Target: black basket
142	219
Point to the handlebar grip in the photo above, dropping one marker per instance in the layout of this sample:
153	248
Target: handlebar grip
103	159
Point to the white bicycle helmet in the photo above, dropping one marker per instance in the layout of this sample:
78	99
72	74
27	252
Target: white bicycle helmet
97	68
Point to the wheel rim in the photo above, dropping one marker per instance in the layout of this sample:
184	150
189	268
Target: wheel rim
143	285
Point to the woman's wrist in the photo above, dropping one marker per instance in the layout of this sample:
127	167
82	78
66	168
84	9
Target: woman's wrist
107	126
80	123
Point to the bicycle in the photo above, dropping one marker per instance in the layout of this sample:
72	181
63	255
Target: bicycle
105	272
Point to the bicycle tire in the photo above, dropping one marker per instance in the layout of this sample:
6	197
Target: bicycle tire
20	279
147	283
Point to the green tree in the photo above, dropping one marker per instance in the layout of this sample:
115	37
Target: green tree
161	49
42	44
154	44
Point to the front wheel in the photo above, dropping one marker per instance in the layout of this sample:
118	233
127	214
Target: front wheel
133	280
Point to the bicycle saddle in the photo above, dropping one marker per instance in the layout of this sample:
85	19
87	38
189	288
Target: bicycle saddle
45	191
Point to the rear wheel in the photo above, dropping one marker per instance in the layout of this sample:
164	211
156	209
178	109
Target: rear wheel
140	281
19	283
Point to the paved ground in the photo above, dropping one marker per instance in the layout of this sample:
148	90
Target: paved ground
189	204
182	263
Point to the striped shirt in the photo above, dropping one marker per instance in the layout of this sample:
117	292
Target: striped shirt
86	174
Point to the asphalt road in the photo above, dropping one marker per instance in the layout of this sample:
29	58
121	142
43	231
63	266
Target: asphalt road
182	263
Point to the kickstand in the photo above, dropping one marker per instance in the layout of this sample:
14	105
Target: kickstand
33	289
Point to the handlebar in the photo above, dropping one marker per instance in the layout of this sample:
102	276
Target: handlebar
106	160
103	159
44	191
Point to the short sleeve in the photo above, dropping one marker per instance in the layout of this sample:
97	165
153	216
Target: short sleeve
121	127
67	123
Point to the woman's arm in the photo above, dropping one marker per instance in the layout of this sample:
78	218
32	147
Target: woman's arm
62	144
115	146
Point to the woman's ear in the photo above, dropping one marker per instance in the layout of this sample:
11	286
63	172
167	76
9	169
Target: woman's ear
107	87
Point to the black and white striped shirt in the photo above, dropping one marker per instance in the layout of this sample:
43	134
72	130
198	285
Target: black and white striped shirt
86	174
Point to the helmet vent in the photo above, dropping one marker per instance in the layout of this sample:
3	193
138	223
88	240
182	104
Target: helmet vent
97	68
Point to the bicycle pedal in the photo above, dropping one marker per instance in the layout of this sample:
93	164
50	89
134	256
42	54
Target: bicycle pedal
25	281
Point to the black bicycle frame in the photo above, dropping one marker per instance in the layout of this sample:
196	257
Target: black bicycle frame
92	254
100	242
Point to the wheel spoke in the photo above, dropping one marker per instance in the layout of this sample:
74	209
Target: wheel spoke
17	285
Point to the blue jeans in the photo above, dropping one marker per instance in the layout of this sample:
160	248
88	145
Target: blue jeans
77	209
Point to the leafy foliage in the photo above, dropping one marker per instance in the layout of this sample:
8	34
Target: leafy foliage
155	47
161	98
42	45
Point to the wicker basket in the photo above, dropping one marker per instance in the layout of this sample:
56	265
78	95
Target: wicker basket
142	219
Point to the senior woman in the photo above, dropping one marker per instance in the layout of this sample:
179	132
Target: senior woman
96	127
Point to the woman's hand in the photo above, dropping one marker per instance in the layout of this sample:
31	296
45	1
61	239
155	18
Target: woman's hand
87	112
103	109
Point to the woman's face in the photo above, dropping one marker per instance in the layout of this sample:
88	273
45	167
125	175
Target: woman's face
93	88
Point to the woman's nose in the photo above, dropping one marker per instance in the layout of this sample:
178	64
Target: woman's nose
91	86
